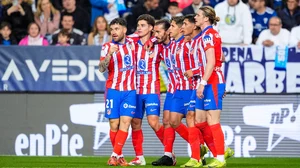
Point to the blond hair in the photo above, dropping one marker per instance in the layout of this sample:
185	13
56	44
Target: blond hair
211	14
39	11
7	2
95	30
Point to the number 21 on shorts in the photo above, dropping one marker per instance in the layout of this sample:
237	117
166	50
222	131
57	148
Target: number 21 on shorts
109	103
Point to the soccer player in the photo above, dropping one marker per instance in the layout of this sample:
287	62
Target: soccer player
212	86
162	35
148	88
118	58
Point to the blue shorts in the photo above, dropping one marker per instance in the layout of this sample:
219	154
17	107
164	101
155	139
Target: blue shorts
213	96
168	101
149	103
181	101
192	104
120	103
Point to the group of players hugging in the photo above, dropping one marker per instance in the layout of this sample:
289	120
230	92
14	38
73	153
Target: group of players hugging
191	50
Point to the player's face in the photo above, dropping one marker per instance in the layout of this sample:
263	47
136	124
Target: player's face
175	30
143	28
117	32
187	27
199	18
160	34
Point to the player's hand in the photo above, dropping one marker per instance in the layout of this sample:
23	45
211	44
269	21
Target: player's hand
113	49
200	90
224	95
188	74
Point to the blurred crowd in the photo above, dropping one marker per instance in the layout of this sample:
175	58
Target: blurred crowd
85	22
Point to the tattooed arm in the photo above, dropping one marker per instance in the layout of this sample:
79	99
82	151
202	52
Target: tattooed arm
104	63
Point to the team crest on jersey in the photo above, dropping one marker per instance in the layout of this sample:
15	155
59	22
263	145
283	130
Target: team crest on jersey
151	53
168	63
142	64
265	20
127	60
108	111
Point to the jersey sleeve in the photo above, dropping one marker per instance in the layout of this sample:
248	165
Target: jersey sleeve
104	51
208	41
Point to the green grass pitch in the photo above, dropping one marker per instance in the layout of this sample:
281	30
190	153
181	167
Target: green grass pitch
24	161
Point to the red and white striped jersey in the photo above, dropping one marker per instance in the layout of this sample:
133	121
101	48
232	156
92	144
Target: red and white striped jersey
194	53
122	66
148	81
166	56
181	62
210	38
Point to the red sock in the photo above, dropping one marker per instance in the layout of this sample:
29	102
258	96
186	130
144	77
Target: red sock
160	134
218	138
112	136
183	131
194	142
137	141
208	137
120	140
169	137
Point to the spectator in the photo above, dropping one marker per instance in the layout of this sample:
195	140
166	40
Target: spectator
213	3
63	38
193	8
57	4
34	38
99	34
290	15
47	17
173	10
235	26
260	17
98	9
19	15
150	7
275	35
80	16
76	35
112	11
295	37
6	38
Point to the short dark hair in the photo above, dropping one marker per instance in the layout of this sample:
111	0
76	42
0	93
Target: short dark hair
64	32
67	14
164	22
190	18
178	20
119	21
148	18
5	24
174	3
33	23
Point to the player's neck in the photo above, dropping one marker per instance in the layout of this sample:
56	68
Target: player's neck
122	41
261	10
205	25
178	36
145	38
195	33
167	41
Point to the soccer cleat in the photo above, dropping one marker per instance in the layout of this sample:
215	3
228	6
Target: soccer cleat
138	161
164	161
203	151
192	163
112	161
174	159
216	164
122	162
228	153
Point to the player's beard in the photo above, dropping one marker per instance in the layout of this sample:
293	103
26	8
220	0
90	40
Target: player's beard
120	38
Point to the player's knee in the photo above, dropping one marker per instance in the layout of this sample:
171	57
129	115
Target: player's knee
136	124
114	125
174	123
166	121
154	124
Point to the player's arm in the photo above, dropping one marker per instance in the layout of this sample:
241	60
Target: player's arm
210	65
104	60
